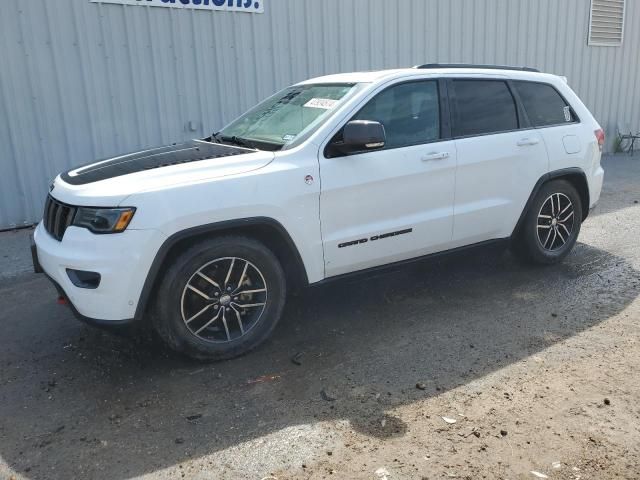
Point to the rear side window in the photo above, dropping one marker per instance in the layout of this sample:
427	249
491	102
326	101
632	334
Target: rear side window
410	113
543	104
483	106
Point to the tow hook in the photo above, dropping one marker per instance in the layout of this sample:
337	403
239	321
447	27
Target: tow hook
62	300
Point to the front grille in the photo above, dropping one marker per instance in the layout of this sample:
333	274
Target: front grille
57	217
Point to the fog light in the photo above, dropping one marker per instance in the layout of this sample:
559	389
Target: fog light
83	279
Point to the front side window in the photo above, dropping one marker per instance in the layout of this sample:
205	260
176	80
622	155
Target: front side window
543	104
482	107
288	116
410	113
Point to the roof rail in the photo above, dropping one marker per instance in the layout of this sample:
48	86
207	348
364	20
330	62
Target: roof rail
470	65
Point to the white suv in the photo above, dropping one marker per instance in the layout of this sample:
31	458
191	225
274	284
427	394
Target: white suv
202	240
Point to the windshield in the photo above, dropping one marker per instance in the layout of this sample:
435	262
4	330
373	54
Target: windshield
287	116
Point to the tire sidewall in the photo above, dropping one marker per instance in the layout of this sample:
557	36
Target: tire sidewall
530	232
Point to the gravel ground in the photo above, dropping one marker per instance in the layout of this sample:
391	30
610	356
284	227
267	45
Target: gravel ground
15	256
537	367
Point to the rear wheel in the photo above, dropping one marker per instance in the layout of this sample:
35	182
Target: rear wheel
551	226
220	299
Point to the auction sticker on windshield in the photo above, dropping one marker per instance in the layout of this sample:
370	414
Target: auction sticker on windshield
324	103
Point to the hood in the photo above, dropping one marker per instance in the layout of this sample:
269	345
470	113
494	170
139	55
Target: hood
108	182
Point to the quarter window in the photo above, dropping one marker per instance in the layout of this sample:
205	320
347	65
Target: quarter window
483	106
409	112
543	104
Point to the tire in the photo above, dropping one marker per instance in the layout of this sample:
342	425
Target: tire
545	237
220	299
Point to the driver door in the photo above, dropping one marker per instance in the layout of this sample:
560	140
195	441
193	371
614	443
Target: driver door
395	203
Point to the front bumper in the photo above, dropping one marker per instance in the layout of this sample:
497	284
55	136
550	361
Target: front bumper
111	325
37	268
122	260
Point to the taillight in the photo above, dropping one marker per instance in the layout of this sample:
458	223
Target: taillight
600	137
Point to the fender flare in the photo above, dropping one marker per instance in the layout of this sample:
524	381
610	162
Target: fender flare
564	172
213	228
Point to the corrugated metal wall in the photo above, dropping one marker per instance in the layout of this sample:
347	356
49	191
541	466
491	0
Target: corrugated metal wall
81	80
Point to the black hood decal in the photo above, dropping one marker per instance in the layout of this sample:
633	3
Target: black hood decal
187	152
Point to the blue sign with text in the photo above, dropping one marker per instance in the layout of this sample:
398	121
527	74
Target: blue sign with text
250	6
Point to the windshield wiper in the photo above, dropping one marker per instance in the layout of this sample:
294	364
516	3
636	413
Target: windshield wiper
233	140
216	137
239	141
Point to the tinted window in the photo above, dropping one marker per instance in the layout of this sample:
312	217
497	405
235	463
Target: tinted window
409	112
483	106
543	104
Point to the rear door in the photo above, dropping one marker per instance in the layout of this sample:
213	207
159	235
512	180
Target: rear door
500	159
556	121
396	203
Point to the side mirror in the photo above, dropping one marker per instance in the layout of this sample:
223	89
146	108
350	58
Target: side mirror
359	136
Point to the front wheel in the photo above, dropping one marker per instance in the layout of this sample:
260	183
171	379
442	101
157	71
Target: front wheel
551	226
220	298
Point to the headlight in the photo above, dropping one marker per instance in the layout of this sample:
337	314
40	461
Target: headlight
104	220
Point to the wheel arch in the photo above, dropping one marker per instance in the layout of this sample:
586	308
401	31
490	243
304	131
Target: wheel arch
266	230
575	176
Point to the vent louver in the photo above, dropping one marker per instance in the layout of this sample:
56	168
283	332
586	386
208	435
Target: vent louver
606	23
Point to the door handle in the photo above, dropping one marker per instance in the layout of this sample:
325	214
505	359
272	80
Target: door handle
527	142
435	156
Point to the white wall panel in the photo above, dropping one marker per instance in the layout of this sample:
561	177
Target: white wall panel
81	80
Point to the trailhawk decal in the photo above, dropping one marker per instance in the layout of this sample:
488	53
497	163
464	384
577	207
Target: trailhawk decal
375	238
